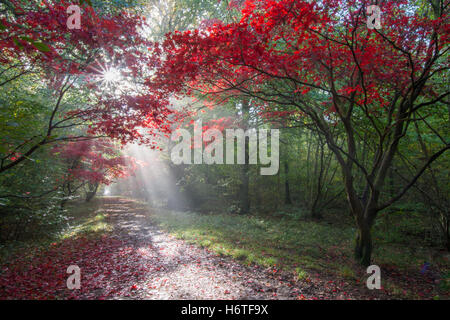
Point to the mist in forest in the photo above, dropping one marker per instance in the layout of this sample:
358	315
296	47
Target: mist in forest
152	180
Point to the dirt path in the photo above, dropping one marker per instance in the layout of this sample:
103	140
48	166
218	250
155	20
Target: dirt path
183	271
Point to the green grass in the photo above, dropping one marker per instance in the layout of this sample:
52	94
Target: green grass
301	274
347	272
90	226
268	242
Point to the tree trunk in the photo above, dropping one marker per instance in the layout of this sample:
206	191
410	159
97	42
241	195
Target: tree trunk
245	198
363	246
315	214
92	191
245	173
445	222
448	241
287	199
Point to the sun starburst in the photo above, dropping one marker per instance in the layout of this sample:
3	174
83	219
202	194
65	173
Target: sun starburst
110	76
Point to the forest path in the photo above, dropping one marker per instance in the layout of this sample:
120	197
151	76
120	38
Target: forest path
174	269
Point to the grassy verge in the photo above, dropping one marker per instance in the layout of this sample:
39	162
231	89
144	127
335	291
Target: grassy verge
305	247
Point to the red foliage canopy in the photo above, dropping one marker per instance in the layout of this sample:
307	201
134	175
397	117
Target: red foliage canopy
39	37
95	161
323	46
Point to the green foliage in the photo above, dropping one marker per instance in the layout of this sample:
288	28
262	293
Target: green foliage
301	274
170	15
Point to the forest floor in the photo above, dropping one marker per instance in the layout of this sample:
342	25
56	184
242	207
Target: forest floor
124	252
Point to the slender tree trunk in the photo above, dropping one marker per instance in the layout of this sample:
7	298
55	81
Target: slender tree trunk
314	212
447	235
245	173
308	171
287	199
245	197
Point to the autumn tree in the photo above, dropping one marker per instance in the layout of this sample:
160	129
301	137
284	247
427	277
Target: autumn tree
102	64
91	163
323	60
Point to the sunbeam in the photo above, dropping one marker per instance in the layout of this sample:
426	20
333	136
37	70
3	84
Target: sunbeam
153	181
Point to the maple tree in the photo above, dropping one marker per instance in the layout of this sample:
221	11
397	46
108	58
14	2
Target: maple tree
92	163
35	41
322	61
